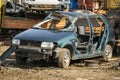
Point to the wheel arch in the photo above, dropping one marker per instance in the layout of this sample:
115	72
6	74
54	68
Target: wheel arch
70	48
58	50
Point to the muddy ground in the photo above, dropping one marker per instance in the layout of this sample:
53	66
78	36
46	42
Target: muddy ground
38	70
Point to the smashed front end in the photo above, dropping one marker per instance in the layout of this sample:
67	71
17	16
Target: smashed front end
32	49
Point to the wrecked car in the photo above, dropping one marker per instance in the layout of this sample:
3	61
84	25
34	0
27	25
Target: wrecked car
12	8
66	36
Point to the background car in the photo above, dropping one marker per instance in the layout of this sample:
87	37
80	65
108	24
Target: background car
66	36
12	8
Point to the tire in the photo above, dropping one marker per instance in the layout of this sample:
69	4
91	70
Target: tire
108	53
64	58
20	60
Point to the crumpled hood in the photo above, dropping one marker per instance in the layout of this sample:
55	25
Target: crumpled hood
42	35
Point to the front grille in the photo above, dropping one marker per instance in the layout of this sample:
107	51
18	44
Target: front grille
30	43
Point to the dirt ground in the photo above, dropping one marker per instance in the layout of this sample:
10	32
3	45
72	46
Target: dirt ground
37	70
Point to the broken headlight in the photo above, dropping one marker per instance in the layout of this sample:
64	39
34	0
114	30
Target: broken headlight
16	42
47	45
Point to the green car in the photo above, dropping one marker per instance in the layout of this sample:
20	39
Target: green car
65	36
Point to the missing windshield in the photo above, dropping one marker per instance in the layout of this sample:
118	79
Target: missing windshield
55	22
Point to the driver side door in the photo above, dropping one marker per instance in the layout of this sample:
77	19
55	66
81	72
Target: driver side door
84	35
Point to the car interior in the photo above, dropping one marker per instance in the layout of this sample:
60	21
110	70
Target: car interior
85	34
97	27
81	29
84	28
58	24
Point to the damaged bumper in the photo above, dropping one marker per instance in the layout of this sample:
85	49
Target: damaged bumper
34	52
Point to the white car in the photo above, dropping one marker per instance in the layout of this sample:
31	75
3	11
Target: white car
43	5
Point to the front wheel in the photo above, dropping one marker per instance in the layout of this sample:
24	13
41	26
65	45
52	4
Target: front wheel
64	58
108	53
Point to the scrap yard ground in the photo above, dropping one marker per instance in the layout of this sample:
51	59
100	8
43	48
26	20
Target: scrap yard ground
36	70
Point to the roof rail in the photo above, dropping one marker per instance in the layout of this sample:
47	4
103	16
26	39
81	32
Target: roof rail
84	11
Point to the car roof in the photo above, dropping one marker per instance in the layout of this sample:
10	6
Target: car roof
78	13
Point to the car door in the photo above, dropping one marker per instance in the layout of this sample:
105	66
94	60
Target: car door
85	35
98	32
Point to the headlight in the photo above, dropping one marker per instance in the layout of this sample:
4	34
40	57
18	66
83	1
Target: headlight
47	45
16	42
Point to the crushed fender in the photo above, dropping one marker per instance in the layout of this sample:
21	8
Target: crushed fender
7	53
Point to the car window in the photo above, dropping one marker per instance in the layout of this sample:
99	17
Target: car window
82	25
42	24
82	30
46	25
98	25
55	24
60	24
